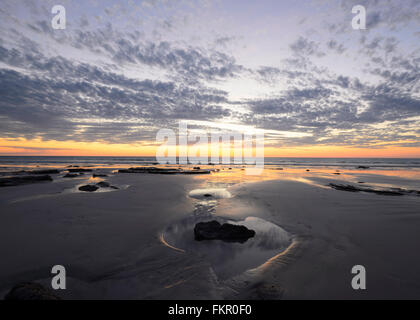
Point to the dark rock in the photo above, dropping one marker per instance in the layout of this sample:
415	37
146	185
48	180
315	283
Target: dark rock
79	170
89	188
12	173
103	184
308	170
15	181
114	187
196	168
351	188
30	291
46	171
337	173
384	192
99	175
195	172
150	170
213	230
343	187
71	175
362	167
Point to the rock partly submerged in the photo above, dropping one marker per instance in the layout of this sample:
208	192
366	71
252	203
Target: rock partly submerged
44	171
30	172
103	184
210	193
99	175
213	230
390	192
79	170
15	181
89	188
30	291
71	175
94	187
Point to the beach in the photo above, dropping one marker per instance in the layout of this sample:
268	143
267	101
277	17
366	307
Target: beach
136	241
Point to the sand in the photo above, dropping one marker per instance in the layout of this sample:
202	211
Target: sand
335	230
110	242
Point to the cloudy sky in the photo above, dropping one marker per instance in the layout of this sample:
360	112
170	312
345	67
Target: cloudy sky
122	70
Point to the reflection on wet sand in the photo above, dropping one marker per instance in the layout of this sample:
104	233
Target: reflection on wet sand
387	178
230	259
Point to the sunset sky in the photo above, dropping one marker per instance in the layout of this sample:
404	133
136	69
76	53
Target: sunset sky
122	70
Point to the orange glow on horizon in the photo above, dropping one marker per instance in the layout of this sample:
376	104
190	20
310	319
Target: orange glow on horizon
37	147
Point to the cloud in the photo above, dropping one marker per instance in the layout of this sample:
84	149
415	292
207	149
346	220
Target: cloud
305	47
43	105
335	46
108	82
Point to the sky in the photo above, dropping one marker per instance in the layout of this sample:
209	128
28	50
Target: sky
122	70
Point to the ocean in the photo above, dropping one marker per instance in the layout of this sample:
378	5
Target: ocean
28	161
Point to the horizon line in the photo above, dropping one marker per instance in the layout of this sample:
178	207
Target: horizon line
68	156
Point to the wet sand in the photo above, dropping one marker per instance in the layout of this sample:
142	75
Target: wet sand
112	246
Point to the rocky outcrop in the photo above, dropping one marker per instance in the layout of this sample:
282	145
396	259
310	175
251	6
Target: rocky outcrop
99	175
79	170
45	171
350	188
15	181
71	175
213	230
